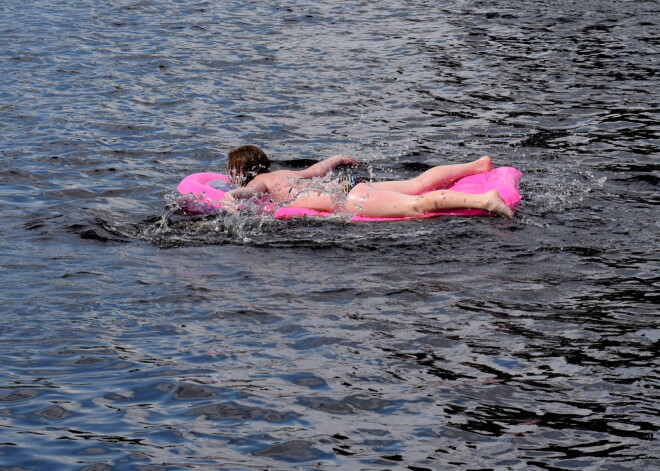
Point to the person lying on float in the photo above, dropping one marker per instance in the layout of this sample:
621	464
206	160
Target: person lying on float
248	168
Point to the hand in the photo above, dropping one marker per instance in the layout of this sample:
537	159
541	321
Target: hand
346	160
229	203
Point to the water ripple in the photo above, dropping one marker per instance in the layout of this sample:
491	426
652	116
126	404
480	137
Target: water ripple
135	337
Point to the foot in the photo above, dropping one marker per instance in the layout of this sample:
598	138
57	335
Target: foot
496	205
484	164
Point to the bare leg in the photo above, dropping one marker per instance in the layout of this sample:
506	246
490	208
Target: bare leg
368	200
437	177
490	201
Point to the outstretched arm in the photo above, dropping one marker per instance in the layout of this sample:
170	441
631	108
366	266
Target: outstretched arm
324	167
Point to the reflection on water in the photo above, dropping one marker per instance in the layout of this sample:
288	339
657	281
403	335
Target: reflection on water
135	337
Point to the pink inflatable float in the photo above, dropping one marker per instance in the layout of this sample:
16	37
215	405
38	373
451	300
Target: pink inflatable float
202	194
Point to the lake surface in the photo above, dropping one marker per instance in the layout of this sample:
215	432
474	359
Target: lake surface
134	338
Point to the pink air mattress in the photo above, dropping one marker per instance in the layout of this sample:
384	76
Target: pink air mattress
202	194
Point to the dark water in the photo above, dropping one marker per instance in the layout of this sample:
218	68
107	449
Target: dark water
135	339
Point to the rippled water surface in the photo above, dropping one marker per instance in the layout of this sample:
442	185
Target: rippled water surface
134	338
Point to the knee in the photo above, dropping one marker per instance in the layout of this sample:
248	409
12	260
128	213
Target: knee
420	185
419	206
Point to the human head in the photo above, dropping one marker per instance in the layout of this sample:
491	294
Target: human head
245	163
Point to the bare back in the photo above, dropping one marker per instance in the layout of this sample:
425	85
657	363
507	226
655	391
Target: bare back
289	188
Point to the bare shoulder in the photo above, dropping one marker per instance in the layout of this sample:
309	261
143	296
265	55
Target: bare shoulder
270	178
268	181
283	173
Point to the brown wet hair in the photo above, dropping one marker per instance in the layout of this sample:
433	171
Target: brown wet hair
246	162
